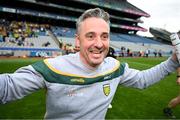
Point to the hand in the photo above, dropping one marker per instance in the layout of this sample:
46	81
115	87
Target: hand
174	57
178	81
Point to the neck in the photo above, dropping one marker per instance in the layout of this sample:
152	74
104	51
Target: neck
90	67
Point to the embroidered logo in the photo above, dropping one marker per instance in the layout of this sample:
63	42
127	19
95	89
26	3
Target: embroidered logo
106	89
107	77
78	80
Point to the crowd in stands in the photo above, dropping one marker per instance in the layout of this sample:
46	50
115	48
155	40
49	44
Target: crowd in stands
16	31
68	48
63	31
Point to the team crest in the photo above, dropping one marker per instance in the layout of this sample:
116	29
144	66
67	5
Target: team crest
106	89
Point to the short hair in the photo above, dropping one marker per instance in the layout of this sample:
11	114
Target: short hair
96	12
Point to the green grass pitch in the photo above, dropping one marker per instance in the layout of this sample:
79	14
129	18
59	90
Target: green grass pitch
128	103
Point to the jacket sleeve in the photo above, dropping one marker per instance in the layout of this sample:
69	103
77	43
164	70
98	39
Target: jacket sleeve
145	78
19	84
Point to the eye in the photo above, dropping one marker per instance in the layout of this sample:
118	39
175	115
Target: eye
90	36
104	36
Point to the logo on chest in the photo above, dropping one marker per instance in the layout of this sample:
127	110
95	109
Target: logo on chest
106	89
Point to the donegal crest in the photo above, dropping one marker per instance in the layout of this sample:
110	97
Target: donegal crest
106	89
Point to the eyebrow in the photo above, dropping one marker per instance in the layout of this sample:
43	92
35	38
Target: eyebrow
94	33
105	33
90	33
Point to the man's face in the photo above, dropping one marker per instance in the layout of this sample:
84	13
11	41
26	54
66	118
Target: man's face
93	39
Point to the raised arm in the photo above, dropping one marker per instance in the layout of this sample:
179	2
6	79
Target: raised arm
145	78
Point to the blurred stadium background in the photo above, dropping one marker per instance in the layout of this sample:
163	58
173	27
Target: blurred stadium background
46	28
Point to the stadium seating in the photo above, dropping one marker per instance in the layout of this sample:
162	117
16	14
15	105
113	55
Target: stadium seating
63	31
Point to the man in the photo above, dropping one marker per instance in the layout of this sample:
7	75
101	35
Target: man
174	102
111	52
81	85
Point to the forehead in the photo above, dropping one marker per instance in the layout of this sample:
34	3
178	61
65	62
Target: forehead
94	24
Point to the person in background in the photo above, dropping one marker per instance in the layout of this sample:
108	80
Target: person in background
111	52
173	102
81	85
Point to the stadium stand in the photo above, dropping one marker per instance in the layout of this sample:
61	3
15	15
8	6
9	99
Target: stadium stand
160	34
52	23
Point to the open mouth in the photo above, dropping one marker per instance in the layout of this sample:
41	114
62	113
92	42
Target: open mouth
96	51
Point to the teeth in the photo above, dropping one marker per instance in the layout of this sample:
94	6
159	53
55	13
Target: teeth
95	51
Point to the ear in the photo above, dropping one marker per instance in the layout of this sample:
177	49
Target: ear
77	41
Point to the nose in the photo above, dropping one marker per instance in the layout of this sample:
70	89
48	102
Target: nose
98	42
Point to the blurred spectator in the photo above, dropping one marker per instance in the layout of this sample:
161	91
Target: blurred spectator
147	52
111	52
123	51
160	53
155	53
